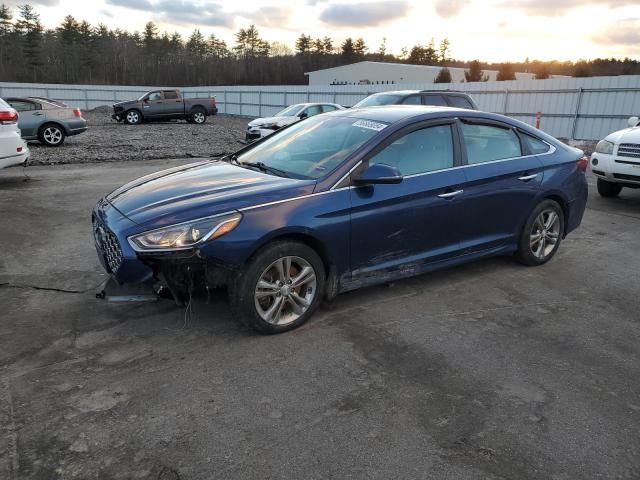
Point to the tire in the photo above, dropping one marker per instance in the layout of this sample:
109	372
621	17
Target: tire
277	305
542	234
132	117
608	189
51	135
198	116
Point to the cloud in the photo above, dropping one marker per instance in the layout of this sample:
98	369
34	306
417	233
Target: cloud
33	3
623	33
450	8
369	14
181	12
271	17
549	8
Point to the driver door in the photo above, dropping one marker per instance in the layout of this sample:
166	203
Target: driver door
401	228
153	105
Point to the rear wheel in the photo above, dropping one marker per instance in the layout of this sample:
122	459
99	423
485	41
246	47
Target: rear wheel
608	189
51	135
198	116
281	287
542	234
133	117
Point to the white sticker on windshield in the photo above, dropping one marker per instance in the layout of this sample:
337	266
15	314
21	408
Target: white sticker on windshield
370	125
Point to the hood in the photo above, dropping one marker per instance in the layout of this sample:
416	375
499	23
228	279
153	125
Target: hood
628	135
199	190
121	104
265	120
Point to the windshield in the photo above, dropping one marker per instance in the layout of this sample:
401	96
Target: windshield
289	111
378	100
313	148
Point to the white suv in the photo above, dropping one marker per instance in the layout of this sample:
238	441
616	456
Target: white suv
616	160
13	149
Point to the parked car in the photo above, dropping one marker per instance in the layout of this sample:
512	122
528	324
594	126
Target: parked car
48	121
13	149
261	127
165	105
616	160
438	98
341	201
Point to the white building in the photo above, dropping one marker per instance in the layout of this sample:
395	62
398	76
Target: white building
375	73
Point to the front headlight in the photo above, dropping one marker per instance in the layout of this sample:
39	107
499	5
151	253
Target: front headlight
604	146
185	235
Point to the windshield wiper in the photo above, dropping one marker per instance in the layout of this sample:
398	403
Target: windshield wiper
266	168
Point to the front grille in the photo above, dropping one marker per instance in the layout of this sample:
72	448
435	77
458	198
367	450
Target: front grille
629	150
633	178
108	246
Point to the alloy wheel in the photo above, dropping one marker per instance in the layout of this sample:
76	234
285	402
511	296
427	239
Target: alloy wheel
133	117
199	117
545	234
285	290
52	135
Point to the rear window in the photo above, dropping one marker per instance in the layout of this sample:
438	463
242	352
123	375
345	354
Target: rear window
169	95
378	100
460	102
435	100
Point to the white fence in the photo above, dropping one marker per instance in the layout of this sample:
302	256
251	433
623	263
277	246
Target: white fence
577	108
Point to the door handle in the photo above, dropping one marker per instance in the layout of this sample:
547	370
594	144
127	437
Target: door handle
450	194
37	114
526	178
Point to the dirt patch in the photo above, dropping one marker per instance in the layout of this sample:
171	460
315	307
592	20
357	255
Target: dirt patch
109	141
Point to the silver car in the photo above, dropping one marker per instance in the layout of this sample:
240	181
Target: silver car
48	121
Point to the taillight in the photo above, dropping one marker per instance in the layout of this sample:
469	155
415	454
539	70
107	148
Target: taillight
583	163
77	112
8	117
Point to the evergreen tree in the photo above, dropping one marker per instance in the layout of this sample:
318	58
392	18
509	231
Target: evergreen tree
506	72
6	26
29	27
348	52
444	76
360	48
475	73
303	44
443	53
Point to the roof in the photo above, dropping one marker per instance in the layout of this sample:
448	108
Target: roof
394	113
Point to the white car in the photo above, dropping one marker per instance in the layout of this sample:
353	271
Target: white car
13	149
261	127
616	160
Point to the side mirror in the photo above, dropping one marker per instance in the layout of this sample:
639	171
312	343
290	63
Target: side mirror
633	121
378	174
145	100
303	115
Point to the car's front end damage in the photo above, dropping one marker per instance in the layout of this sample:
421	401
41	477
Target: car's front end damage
263	127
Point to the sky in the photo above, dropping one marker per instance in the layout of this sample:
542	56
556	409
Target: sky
490	30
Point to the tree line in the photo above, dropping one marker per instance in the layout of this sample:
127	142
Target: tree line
78	52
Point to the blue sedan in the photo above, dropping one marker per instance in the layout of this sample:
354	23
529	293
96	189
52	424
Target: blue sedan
341	201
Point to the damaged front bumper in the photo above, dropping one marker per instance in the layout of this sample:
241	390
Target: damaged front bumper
179	272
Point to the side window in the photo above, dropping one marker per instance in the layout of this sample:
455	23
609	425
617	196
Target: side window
153	96
170	95
487	142
434	100
313	110
328	108
425	150
22	106
412	100
460	102
534	145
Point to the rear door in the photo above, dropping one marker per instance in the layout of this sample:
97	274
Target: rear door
502	183
173	104
32	116
408	225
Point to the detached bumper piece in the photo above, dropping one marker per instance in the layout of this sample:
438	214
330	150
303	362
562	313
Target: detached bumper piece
112	291
252	136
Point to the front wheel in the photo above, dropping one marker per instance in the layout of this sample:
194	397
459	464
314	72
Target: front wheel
281	287
51	135
608	189
133	117
542	234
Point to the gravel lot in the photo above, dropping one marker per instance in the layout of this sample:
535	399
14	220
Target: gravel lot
109	141
488	371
